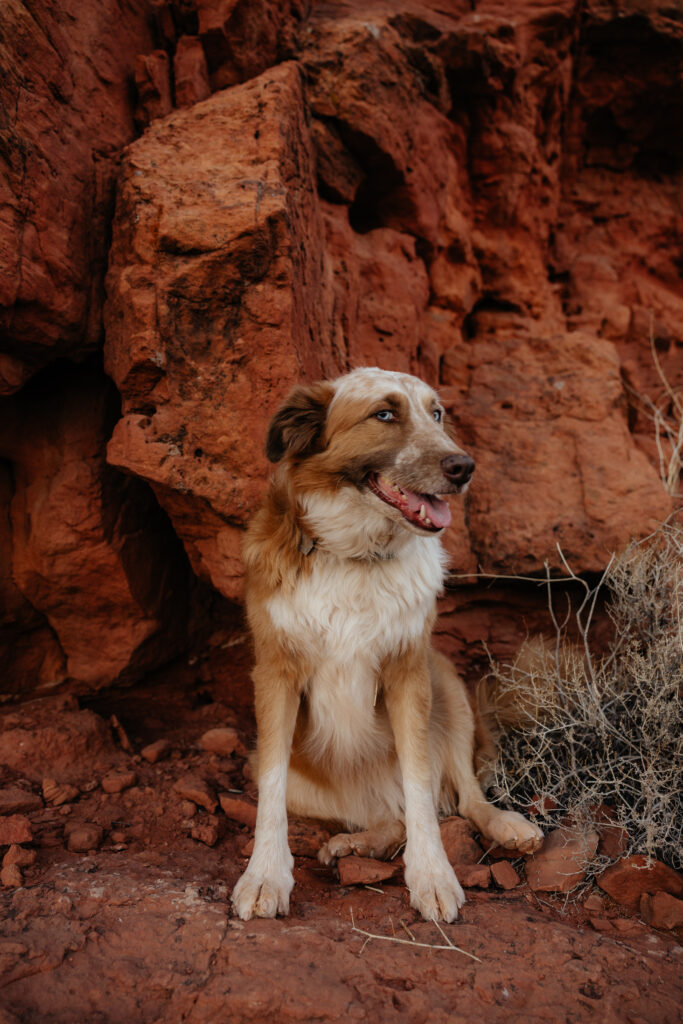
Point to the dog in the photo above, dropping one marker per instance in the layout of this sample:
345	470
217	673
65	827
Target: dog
359	719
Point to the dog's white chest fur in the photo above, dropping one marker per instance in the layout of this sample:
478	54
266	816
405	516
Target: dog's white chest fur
346	617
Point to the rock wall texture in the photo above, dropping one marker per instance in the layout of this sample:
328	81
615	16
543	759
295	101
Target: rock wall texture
482	193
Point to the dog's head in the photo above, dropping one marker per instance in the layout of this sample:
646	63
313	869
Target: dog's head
379	435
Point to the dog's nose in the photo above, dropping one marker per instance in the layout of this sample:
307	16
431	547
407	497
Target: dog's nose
457	468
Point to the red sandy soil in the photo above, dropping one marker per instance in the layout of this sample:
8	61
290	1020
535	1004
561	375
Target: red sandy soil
140	930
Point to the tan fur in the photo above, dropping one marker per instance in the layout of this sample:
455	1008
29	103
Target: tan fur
359	719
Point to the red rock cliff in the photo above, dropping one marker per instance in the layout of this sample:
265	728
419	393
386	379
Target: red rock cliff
485	194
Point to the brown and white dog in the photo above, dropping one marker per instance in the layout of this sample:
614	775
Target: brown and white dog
359	719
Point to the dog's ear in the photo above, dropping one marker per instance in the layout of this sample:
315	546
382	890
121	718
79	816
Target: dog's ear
297	426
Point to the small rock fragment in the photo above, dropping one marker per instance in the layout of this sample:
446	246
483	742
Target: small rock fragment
120	734
14	800
194	788
365	870
156	751
220	741
58	793
84	837
20	856
601	924
306	837
662	910
613	838
238	810
117	782
459	843
118	837
11	876
593	904
504	874
473	876
626	881
562	861
188	809
15	829
542	804
207	834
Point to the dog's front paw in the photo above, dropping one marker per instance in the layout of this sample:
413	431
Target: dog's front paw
515	832
435	891
259	896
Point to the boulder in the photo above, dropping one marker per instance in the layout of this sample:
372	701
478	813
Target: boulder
216	300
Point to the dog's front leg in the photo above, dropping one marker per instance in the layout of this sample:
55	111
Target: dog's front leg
264	888
434	889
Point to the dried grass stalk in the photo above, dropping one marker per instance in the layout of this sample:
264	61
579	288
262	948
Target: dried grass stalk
584	732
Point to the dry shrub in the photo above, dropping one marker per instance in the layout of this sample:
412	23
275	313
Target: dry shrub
583	732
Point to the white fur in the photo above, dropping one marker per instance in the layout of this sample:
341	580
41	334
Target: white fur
347	616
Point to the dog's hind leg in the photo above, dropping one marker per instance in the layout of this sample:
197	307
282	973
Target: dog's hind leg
454	735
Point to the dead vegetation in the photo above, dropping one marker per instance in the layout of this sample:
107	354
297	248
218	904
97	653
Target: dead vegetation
576	733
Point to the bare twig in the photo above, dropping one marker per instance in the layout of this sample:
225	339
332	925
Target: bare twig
408	942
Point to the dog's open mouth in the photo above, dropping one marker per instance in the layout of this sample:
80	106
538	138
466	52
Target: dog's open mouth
424	510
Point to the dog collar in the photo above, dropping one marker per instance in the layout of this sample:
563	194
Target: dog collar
308	544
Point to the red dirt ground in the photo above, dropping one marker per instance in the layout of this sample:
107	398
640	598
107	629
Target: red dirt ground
140	930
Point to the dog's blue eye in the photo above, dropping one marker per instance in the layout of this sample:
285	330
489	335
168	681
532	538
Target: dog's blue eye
438	415
385	415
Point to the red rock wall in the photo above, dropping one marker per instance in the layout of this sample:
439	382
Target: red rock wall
487	197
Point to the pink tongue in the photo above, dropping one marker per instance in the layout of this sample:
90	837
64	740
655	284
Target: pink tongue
435	508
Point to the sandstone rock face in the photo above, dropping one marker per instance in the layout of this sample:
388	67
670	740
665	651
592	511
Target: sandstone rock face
443	240
216	296
90	551
488	198
68	112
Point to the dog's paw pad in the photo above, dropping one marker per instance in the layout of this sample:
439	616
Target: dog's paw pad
261	897
437	896
515	832
338	846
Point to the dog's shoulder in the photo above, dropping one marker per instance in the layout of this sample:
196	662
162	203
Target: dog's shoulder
274	546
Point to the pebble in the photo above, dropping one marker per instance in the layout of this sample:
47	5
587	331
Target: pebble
116	782
365	870
15	829
118	837
459	843
82	838
593	904
626	881
504	874
222	741
156	751
601	924
20	856
11	876
207	834
188	809
238	810
473	876
194	788
58	793
561	863
662	910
